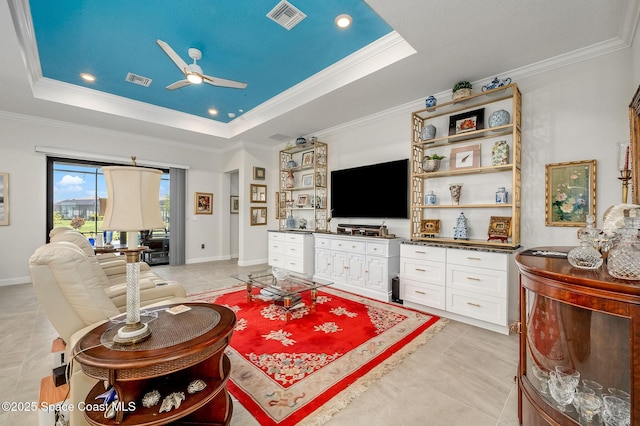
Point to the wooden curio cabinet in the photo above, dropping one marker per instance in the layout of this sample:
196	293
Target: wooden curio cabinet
584	319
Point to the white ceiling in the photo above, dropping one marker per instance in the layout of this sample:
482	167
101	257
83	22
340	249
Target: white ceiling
454	40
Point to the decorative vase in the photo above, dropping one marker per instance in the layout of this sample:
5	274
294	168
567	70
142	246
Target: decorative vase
455	189
428	132
499	118
623	260
301	141
290	181
586	256
461	230
461	93
430	199
431	101
429	165
291	222
291	164
500	153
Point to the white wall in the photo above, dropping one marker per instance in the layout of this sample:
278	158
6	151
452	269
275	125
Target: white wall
573	113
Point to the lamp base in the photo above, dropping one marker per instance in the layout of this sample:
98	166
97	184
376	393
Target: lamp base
132	333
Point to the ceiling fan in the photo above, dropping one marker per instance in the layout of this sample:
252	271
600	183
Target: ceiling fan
192	72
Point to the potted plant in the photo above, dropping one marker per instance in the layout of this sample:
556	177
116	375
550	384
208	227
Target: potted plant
461	89
431	163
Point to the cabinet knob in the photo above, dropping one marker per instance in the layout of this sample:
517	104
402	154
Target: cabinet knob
477	305
346	267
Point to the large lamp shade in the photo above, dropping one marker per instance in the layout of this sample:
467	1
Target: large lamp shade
132	199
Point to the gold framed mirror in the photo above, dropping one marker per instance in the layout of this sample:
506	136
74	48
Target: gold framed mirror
258	193
634	124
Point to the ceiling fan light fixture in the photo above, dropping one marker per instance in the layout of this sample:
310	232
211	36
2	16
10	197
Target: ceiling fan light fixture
343	21
194	78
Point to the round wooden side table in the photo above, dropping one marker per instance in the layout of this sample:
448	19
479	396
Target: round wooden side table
182	348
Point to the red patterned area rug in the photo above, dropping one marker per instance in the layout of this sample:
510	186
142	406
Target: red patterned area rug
304	370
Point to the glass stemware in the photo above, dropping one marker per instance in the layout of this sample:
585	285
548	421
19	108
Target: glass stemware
542	374
562	391
620	394
589	405
568	375
597	387
616	412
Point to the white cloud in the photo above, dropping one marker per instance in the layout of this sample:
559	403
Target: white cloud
70	183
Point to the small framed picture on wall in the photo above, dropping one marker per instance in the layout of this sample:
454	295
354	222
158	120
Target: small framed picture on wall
203	203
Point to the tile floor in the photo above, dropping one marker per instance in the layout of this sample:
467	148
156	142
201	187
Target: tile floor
462	376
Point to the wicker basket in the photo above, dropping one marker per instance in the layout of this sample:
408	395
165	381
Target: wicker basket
461	93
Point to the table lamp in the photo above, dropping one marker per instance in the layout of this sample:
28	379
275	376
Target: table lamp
132	206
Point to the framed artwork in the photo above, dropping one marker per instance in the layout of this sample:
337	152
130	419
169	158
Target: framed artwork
280	205
430	227
466	122
465	156
570	193
499	228
4	198
258	216
235	204
634	124
302	200
203	203
307	158
259	173
307	180
258	193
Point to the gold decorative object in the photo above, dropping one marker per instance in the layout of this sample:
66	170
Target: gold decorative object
499	228
430	227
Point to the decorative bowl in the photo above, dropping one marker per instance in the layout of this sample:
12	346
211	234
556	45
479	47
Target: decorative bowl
429	165
499	118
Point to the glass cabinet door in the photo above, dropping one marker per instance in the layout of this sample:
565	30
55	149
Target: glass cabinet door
595	344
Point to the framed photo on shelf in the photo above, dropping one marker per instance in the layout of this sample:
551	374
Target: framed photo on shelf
499	228
430	227
234	205
203	203
280	205
465	156
302	200
258	193
466	122
259	173
307	158
570	193
258	216
307	180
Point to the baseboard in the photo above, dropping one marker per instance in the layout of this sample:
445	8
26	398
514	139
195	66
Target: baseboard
15	281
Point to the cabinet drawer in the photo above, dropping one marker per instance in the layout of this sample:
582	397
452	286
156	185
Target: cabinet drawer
294	250
294	238
276	236
473	305
489	282
276	260
422	293
322	242
350	246
436	254
377	249
276	246
424	271
483	259
294	264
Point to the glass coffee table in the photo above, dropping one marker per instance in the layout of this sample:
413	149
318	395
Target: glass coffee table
285	291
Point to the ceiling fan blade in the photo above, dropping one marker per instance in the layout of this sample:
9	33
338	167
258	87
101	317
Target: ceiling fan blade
180	63
215	81
178	84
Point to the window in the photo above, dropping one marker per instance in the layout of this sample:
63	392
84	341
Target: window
74	190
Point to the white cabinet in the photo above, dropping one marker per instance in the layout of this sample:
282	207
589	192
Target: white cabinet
362	265
476	286
292	250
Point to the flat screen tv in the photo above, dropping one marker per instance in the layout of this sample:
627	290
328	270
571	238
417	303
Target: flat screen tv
372	191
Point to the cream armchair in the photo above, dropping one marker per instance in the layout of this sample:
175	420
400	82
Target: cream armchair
71	291
113	277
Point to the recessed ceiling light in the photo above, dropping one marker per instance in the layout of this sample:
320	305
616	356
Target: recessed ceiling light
231	115
343	21
87	77
213	111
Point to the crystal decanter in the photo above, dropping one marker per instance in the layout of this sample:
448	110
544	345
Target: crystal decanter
624	258
586	256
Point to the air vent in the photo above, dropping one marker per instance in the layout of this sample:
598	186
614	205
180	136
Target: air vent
286	14
138	79
280	137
